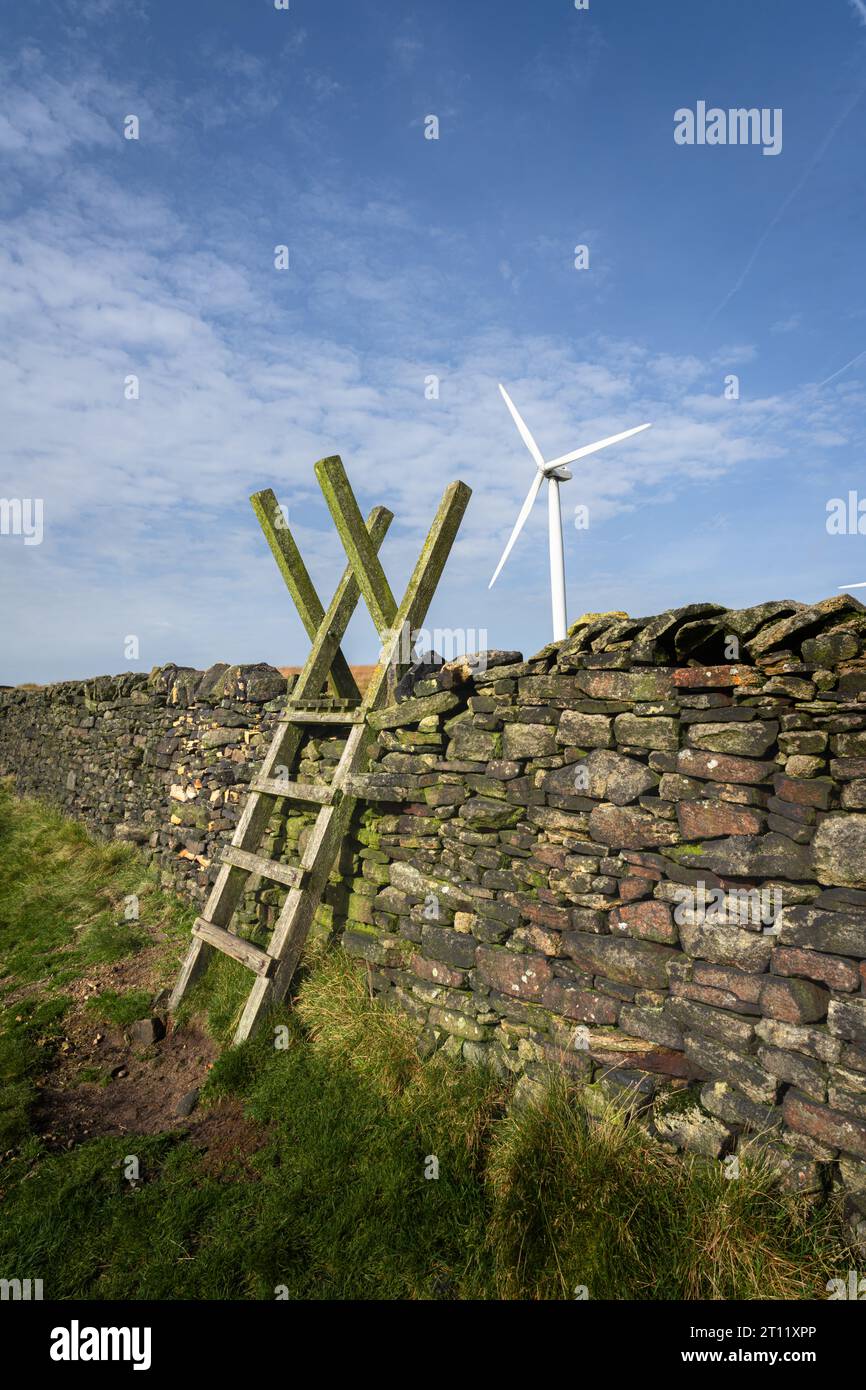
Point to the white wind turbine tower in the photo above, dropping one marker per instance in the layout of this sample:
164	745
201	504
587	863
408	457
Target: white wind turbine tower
555	473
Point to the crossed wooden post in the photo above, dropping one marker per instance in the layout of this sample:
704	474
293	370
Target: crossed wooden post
364	575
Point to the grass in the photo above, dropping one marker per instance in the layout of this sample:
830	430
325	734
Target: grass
64	898
27	1037
584	1198
336	1121
120	1009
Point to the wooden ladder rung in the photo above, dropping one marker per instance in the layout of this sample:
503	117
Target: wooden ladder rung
253	957
289	874
328	702
315	793
322	716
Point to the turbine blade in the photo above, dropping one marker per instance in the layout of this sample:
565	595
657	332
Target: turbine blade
594	448
518	525
523	428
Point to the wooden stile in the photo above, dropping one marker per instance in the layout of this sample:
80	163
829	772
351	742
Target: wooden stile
307	707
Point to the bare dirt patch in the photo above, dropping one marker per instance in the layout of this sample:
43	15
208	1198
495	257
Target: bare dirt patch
102	1083
138	1087
144	1098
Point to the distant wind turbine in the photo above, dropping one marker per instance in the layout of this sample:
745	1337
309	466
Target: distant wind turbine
555	473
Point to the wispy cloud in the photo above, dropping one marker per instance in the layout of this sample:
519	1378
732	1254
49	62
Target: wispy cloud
845	368
43	119
558	72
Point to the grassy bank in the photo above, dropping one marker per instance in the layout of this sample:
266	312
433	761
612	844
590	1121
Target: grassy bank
69	907
306	1171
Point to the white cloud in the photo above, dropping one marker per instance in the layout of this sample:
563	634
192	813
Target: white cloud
557	72
406	50
47	120
97	9
735	355
787	325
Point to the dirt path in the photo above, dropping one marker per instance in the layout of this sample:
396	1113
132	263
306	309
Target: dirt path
138	1086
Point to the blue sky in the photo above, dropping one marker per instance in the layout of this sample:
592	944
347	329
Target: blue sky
411	257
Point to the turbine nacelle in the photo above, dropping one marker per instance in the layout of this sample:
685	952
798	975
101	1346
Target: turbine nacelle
555	472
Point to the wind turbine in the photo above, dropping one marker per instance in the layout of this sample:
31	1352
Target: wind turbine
555	473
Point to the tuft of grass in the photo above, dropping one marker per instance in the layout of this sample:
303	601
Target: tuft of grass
94	1076
27	1044
218	997
27	1041
19	1062
586	1199
120	1009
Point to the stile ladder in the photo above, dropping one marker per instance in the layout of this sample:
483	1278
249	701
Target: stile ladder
306	708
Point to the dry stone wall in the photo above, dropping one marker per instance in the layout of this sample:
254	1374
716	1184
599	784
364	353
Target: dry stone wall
159	760
640	855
